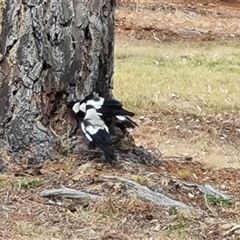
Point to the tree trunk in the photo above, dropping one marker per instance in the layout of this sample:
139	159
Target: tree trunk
51	51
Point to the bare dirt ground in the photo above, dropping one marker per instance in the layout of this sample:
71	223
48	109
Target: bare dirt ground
177	20
120	214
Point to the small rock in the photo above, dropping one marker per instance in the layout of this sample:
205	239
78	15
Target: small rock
124	220
223	186
157	228
173	96
190	195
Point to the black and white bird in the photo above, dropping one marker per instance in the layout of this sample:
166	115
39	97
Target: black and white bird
97	132
106	108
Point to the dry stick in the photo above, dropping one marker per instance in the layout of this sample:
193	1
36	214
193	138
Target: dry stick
68	193
205	189
146	193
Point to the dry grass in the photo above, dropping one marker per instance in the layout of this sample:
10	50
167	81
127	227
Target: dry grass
117	215
191	76
191	80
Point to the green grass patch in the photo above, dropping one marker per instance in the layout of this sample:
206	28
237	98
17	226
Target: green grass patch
28	183
198	76
179	223
216	201
141	180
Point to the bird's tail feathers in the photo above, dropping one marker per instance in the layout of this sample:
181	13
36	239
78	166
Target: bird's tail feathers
103	141
108	152
111	112
124	112
127	123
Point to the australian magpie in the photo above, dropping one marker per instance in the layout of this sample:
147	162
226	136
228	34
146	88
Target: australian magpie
106	108
97	132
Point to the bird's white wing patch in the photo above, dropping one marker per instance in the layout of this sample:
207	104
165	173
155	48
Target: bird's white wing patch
101	100
106	128
76	107
92	129
121	118
88	137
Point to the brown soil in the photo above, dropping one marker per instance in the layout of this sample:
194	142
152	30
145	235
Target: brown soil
177	20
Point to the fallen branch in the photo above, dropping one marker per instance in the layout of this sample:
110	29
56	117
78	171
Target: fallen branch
147	194
68	193
204	189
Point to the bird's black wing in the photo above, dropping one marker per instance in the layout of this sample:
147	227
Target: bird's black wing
111	109
127	123
80	115
115	107
102	139
112	112
124	112
112	103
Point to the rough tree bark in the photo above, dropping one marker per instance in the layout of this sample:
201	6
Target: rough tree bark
51	51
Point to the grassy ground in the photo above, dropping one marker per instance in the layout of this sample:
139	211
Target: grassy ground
201	76
193	81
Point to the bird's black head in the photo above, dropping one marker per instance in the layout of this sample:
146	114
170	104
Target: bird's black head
70	104
78	114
